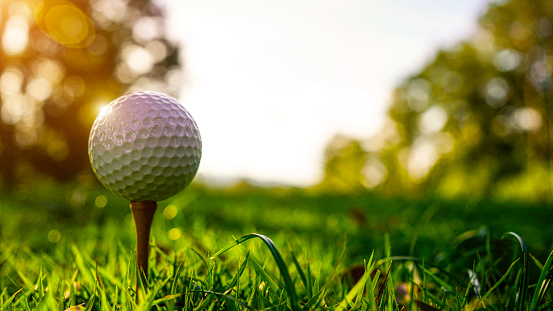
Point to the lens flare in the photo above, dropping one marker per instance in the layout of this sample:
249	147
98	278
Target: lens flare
65	23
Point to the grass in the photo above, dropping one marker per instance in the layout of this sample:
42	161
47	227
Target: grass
71	247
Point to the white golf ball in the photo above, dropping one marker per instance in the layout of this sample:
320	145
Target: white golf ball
145	147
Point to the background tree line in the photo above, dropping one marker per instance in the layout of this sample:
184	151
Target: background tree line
475	121
61	61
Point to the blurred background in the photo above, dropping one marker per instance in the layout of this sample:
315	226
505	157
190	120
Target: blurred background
403	97
447	100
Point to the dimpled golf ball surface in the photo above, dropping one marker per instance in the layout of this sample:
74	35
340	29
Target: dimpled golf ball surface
145	147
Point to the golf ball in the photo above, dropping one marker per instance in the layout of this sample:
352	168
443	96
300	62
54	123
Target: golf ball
145	147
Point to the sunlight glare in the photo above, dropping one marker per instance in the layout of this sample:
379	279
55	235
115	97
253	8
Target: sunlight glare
65	23
16	35
91	110
102	108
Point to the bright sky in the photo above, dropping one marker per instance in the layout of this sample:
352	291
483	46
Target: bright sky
271	82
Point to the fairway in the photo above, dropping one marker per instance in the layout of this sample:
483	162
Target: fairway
75	246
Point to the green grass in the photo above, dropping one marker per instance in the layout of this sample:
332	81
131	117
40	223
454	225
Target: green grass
59	249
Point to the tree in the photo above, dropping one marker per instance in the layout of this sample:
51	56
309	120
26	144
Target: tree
476	119
61	62
344	162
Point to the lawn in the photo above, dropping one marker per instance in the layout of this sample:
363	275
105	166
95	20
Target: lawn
72	245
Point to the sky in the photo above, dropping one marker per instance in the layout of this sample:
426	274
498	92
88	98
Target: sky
269	83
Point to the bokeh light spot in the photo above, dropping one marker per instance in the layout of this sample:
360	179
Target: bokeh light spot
374	173
99	46
138	59
174	234
74	86
16	37
170	211
49	69
39	88
506	60
129	220
497	90
433	120
418	94
101	201
14	108
54	236
147	29
11	81
58	150
527	119
107	11
65	23
421	157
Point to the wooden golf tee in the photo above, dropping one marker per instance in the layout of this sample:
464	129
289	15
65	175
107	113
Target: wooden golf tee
143	214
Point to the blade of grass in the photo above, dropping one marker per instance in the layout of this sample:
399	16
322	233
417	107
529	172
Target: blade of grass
28	283
523	286
415	259
166	298
382	286
330	281
301	274
358	288
175	280
513	291
272	285
348	300
155	248
7	303
490	291
373	301
546	306
39	286
148	302
438	280
423	221
315	301
85	270
310	286
359	297
542	285
208	299
241	269
279	261
200	256
427	295
425	307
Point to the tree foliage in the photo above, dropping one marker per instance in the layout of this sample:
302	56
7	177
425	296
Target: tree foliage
476	119
61	62
345	159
